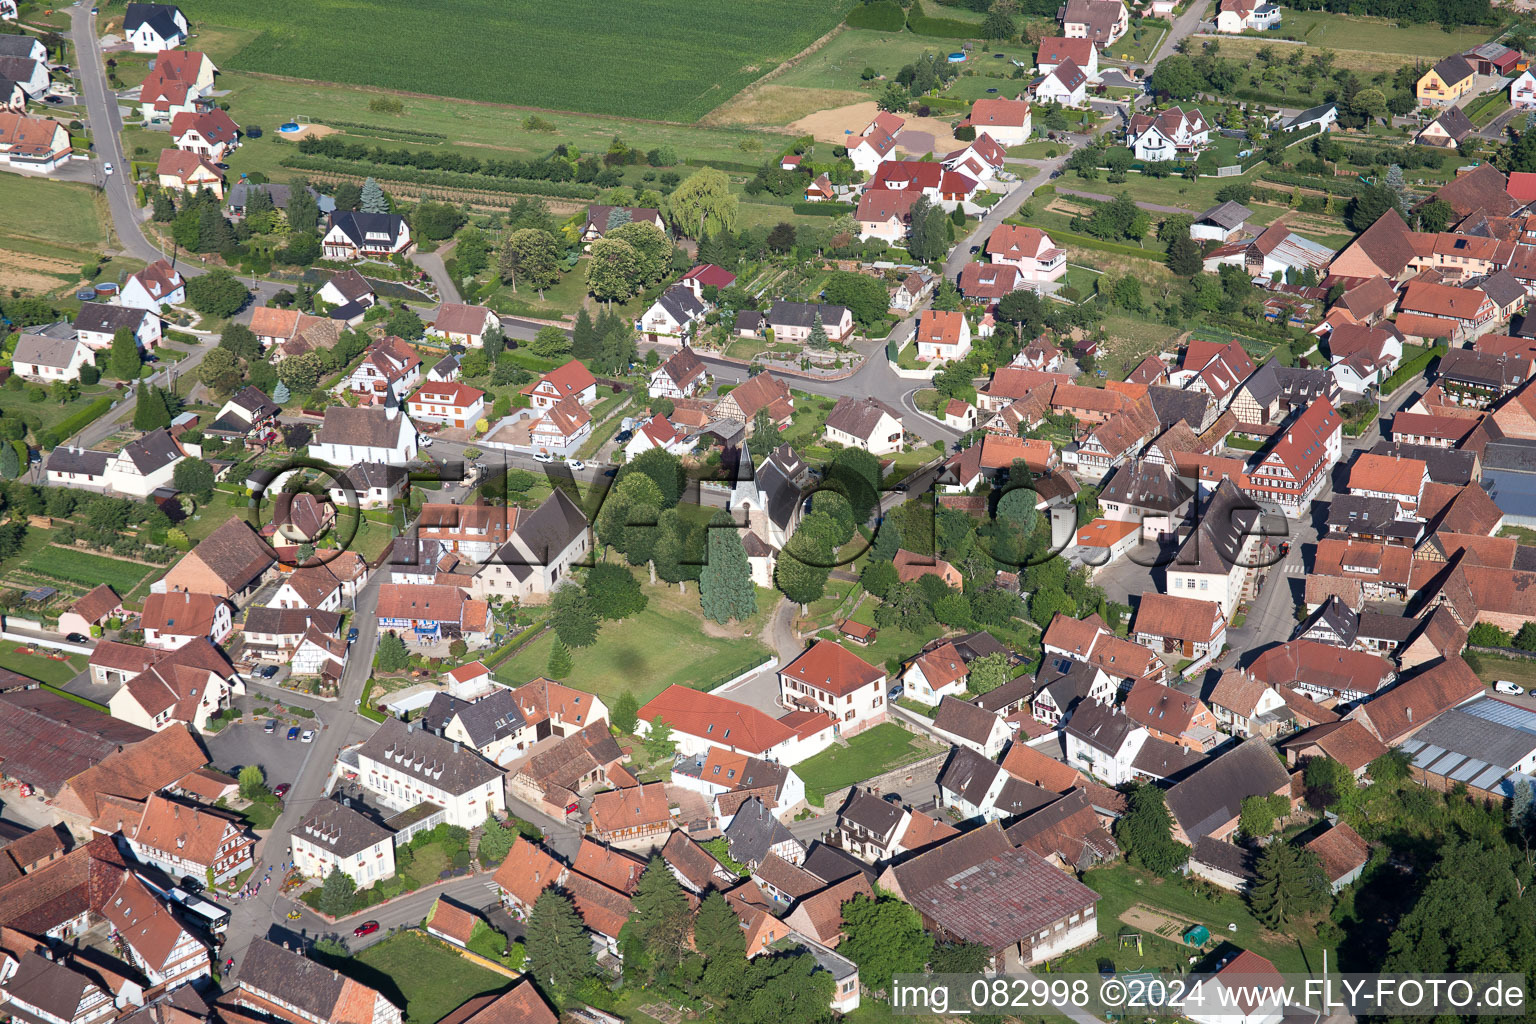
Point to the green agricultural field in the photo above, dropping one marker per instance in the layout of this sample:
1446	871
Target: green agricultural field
87	570
1321	28
661	59
56	212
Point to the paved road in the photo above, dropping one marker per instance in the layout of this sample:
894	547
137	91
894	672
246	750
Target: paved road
1184	26
432	263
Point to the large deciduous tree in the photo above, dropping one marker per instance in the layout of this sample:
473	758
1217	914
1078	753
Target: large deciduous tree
703	204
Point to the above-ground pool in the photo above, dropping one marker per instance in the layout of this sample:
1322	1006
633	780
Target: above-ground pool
290	127
956	58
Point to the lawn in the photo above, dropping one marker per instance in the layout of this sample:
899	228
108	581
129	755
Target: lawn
56	212
1324	29
41	667
1130	341
662	59
43	415
663	645
810	419
87	570
840	64
1121	887
422	975
1491	666
870	753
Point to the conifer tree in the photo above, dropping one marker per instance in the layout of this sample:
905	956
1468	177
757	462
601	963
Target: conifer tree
559	952
373	200
123	360
725	582
1289	882
559	665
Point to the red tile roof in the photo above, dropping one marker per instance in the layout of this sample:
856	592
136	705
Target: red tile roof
834	668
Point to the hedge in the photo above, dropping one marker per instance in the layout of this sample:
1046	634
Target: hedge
1412	368
881	15
417	133
947	28
445	179
723	165
70	425
822	209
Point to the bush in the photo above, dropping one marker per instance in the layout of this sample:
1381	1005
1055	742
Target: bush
945	28
882	16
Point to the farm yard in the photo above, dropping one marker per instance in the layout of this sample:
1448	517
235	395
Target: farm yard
649	58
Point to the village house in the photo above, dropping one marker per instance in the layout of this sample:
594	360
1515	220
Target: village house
980	159
1323	672
352	235
658	432
1170	135
1217	562
673	317
1221	223
865	423
1008	122
1447	131
150	28
538	556
430	613
637	812
600	220
185	839
831	679
286	986
942	336
1430	311
702	722
188	685
156	943
403	766
212	135
1238	16
1297	468
1029	250
885	214
41	358
680	376
1053	51
453	405
876	142
943	188
1209	802
1173	717
36	144
389	367
173	620
561	430
179	83
460	324
368	485
157	287
571	380
1102	21
230	563
1189	627
794	321
348	436
1446	83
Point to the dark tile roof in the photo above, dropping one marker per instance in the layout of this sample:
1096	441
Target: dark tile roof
873	813
830	864
1213	795
1149	485
803	314
340	829
1446	465
154	451
754	831
105	318
422	755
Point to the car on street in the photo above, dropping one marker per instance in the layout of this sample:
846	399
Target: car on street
1507	688
543	457
576	465
191	884
426	442
60	99
352	636
281	790
77	638
366	928
105	167
271	725
293	732
1055	174
309	736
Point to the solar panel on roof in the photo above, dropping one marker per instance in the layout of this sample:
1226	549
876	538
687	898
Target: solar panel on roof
41	594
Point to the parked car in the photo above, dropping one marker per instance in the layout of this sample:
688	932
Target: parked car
576	465
281	790
191	884
77	638
352	636
108	167
271	725
366	928
1508	688
268	671
623	435
543	457
293	732
897	690
426	442
309	736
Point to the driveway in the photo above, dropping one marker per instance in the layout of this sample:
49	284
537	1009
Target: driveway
432	263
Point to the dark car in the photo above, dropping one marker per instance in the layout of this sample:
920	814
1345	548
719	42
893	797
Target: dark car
268	671
281	790
352	635
624	435
293	732
366	928
1055	174
191	884
76	638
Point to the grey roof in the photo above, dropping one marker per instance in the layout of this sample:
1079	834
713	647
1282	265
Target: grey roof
1484	368
1381	626
1102	726
299	982
160	17
547	531
754	832
803	314
22	45
1310	114
48	985
1019	688
1454	69
1214	794
1338	617
1230	518
1173	405
1502	287
1154	486
872	813
970	775
290	621
44	351
358	226
859	416
1362	516
1226	215
154	451
1299	385
1455	123
20	69
681	304
598	215
351	284
830	864
491	718
959	718
78	460
1453	466
339	829
239	196
446	366
749	320
366	475
979	644
255	403
429	758
1511	455
1263	385
1478	743
105	318
365	426
781	494
1163	760
1067	680
1224	856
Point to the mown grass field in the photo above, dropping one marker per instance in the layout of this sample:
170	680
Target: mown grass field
88	570
48	230
648	58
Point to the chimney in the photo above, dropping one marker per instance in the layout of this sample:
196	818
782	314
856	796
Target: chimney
1410	713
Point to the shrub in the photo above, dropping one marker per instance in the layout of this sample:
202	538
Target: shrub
882	16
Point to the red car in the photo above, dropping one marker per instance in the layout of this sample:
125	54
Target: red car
281	791
366	928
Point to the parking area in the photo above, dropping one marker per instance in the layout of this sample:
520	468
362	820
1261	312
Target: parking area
280	758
